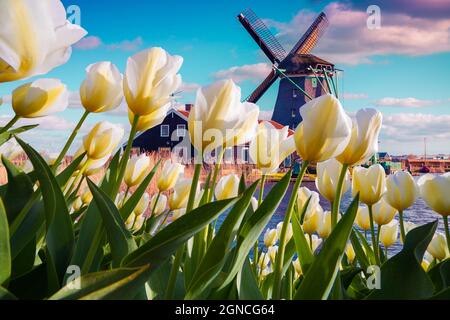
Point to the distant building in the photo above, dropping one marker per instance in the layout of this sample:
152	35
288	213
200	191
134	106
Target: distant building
171	137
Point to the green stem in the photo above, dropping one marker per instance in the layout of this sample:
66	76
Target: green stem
193	192
402	226
278	269
386	252
180	252
374	237
260	199
215	174
156	203
173	273
10	124
126	155
447	232
337	200
310	242
70	141
127	190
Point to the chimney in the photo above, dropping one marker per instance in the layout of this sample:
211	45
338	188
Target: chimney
188	107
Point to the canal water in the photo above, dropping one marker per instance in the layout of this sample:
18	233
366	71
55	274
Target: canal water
418	214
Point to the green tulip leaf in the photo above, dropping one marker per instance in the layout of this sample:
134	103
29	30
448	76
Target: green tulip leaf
321	275
5	136
6	295
215	257
402	276
247	286
116	284
440	275
305	256
68	172
359	252
92	234
5	249
168	240
17	192
120	239
254	226
60	235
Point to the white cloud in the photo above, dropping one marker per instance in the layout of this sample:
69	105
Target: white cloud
403	133
187	87
404	102
94	42
355	96
253	72
349	41
45	123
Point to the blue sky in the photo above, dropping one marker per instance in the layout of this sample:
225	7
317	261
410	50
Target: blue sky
402	68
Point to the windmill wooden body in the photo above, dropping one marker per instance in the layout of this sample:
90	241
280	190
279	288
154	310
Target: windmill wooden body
302	75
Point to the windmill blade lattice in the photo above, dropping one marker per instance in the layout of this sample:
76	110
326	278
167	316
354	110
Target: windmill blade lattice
312	36
262	35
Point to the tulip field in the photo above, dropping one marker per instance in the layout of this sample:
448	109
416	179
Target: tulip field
89	229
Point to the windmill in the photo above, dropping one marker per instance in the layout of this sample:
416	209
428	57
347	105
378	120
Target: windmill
303	76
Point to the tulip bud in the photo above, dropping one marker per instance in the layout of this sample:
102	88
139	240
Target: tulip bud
77	204
328	173
136	170
438	247
333	135
270	147
139	222
86	197
40	98
289	231
350	253
314	242
120	200
180	196
102	90
363	218
312	218
363	143
272	252
263	261
220	119
102	140
35	39
150	80
370	183
142	205
160	207
297	267
303	195
255	204
324	225
169	175
270	237
130	221
435	190
389	233
227	187
383	213
402	190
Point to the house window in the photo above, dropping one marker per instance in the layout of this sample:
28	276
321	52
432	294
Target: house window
287	162
181	130
245	155
165	131
294	93
293	113
228	155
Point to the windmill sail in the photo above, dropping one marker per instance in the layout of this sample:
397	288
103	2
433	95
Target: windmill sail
312	36
262	35
262	88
